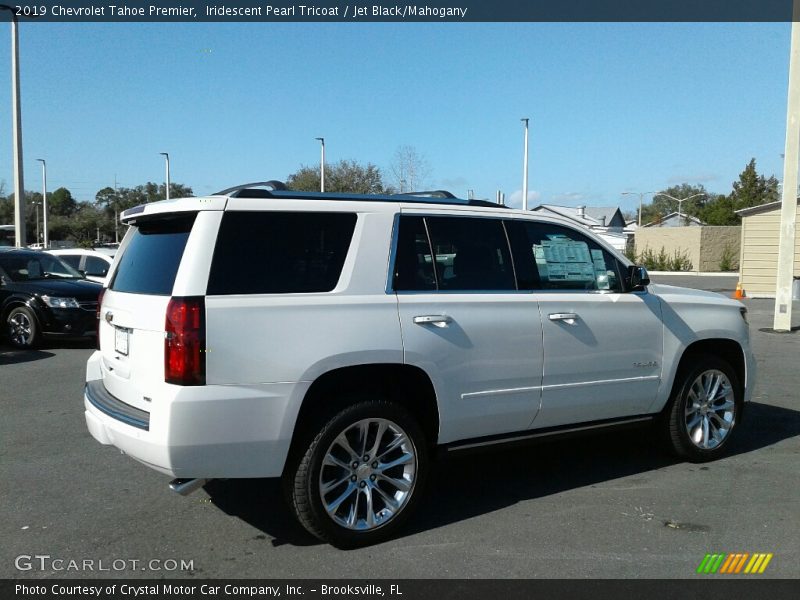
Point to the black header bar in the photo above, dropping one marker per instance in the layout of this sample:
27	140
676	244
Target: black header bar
402	11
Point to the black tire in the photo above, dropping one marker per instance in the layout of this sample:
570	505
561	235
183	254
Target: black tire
699	429
22	328
365	487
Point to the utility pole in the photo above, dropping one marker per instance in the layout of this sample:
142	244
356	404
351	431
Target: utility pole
525	168
16	119
641	199
46	240
783	285
321	164
166	155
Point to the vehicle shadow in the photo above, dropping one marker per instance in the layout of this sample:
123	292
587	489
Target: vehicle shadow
11	356
466	486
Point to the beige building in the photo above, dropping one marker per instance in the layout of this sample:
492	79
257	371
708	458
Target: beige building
759	258
707	247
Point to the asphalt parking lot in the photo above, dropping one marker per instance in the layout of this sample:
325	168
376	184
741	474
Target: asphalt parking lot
605	507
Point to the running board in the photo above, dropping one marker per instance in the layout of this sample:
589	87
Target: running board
547	434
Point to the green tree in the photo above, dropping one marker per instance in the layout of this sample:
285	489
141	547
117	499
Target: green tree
61	203
753	189
346	176
720	211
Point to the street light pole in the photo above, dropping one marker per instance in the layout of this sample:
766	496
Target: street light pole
321	163
680	201
16	118
166	155
641	198
525	168
46	240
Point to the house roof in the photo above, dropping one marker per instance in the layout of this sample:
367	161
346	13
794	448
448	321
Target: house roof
669	216
598	212
754	210
592	215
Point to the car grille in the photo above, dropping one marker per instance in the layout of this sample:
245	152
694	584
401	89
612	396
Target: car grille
88	304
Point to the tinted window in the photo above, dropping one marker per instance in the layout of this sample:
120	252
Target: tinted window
30	266
275	252
469	254
564	259
73	260
413	265
150	262
96	267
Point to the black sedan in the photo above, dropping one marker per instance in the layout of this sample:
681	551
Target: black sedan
40	295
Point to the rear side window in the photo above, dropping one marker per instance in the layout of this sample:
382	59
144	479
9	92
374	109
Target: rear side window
468	254
280	252
150	262
73	260
96	267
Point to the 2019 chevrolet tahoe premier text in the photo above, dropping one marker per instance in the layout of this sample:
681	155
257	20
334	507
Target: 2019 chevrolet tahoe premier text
337	340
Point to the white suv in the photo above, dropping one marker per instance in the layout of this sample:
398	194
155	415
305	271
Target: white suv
338	340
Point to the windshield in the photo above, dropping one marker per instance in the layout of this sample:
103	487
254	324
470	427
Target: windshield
32	267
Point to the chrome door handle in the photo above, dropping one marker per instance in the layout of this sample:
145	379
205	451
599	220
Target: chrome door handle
567	317
437	320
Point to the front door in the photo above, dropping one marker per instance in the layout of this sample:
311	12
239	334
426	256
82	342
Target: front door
602	344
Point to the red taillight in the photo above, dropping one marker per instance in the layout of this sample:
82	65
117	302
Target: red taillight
185	341
99	306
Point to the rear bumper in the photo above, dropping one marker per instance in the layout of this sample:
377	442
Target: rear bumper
198	432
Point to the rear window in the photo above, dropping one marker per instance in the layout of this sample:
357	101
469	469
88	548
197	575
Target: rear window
150	262
280	252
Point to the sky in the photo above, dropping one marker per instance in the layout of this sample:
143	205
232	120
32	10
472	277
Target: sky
612	107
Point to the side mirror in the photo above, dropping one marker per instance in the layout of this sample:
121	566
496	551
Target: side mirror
638	277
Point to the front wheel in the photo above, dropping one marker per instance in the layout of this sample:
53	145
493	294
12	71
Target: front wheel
704	408
23	330
360	477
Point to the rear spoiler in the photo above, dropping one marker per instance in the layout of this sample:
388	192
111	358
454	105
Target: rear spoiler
178	205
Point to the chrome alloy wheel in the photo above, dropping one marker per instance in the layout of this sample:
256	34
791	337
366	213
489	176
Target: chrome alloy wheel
368	474
20	329
710	409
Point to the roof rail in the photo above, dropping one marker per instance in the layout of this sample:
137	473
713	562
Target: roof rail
273	184
428	194
278	190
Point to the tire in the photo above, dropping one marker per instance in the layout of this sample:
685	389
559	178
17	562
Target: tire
699	428
22	328
348	501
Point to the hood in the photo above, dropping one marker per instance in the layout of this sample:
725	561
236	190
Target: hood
80	289
672	293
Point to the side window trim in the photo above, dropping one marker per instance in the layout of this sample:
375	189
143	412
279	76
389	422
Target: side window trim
438	287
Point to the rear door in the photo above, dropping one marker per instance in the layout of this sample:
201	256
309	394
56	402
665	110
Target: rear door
132	319
467	325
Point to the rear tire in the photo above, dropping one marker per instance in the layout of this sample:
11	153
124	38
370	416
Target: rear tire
705	405
22	328
360	477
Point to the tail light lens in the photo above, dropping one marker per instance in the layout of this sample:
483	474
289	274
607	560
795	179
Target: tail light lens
99	306
185	341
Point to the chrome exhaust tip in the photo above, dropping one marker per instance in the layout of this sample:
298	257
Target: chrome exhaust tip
184	487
